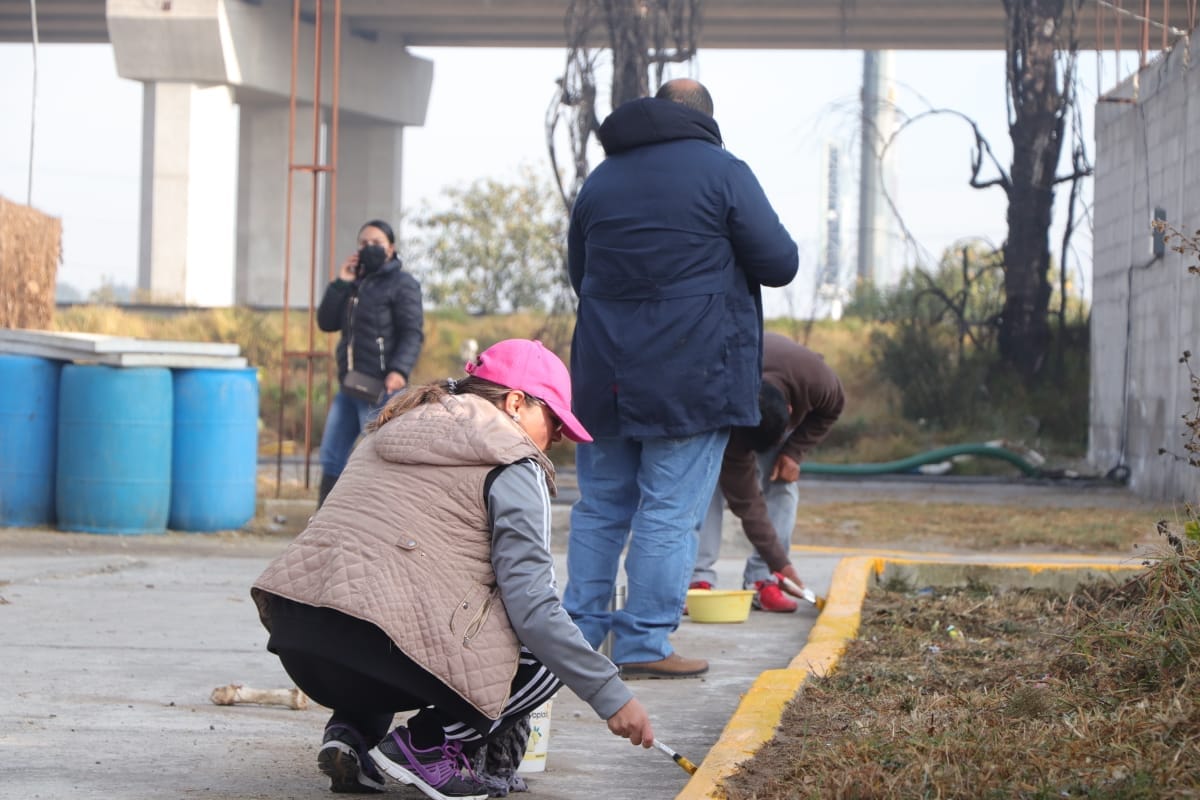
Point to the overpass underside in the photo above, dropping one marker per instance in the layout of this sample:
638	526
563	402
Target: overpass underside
728	24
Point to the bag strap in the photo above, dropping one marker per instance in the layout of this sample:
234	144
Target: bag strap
350	341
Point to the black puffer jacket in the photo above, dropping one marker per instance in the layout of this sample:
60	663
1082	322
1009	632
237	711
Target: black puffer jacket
388	322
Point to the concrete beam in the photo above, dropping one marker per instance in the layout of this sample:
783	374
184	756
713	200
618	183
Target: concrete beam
734	24
248	47
75	21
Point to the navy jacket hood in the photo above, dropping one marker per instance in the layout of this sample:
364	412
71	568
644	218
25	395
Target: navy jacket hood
649	121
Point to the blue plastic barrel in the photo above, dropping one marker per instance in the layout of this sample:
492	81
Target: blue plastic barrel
215	450
114	449
28	429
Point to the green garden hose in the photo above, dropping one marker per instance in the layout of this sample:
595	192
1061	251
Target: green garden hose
930	457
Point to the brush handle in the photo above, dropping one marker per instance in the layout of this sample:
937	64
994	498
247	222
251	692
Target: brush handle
802	591
684	764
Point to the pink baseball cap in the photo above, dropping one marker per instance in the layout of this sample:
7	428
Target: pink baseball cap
527	365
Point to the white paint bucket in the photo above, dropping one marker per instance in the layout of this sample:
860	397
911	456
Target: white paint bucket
539	739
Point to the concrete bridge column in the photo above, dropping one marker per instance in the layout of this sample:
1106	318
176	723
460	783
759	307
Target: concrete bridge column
369	187
370	161
189	160
261	207
220	170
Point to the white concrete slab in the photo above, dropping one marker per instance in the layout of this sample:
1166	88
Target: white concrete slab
97	343
181	361
120	351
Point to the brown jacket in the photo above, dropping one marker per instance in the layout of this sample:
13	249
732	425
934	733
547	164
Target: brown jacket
404	543
816	398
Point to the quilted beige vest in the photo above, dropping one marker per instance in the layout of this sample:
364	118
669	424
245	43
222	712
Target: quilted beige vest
403	542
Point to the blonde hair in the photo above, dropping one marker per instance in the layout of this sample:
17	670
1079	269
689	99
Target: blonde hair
428	393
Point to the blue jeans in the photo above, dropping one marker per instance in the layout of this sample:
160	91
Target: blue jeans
651	493
346	420
782	497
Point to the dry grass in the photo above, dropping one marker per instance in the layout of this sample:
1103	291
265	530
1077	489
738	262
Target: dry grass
870	430
981	693
30	245
955	526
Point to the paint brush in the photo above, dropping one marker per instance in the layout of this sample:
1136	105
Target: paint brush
687	766
800	591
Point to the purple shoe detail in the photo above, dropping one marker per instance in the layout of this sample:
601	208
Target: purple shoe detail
437	772
442	772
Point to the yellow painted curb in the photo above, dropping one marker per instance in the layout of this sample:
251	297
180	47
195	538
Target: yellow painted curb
958	558
1054	563
757	716
752	725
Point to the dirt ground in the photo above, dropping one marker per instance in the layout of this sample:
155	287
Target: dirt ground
975	515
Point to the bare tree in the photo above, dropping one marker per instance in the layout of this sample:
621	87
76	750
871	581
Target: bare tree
1042	43
640	34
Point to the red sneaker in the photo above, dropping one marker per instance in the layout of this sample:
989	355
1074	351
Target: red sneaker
769	597
703	585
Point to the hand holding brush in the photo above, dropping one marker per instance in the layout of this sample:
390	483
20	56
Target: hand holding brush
796	589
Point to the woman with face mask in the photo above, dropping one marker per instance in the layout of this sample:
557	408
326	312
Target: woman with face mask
376	306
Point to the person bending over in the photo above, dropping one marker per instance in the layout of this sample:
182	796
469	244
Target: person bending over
800	400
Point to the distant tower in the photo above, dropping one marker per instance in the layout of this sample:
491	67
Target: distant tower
874	263
829	272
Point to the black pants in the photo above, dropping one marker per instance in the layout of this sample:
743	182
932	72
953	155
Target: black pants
353	667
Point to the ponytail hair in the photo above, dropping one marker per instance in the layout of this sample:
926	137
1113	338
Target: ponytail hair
429	393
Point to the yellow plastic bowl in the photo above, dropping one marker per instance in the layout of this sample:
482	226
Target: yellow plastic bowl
718	605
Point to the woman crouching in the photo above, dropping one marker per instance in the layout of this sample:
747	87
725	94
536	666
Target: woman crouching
425	582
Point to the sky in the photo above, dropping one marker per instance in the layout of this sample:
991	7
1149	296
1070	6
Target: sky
777	111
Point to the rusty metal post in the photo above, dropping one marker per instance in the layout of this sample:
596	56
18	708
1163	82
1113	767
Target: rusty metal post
287	246
1166	26
320	165
1117	42
334	123
314	169
1144	45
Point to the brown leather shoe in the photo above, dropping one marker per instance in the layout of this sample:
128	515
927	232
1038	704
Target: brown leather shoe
673	666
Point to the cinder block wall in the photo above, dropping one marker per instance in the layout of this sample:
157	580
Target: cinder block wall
1144	312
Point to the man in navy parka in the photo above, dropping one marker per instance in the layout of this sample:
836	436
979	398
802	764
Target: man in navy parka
671	240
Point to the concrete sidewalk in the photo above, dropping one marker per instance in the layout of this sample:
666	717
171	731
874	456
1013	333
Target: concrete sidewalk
112	645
